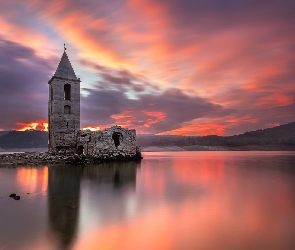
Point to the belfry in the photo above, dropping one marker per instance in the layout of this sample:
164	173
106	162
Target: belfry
63	107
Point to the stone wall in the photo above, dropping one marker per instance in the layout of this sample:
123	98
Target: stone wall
63	107
63	127
65	136
108	143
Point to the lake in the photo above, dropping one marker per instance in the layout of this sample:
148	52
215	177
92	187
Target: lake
171	200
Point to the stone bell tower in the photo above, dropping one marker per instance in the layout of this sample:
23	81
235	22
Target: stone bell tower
63	107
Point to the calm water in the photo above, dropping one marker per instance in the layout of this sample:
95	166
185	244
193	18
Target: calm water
179	200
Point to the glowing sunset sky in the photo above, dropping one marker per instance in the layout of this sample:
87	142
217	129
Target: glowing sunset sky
171	66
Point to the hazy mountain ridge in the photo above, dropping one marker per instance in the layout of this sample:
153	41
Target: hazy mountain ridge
280	137
3	133
277	138
24	139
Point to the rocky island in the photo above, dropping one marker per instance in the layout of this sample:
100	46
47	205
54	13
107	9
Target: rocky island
67	144
35	158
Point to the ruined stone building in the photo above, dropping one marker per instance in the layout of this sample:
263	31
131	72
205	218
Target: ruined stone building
64	121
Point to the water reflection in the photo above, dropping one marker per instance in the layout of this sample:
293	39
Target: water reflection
24	219
64	185
33	179
118	173
63	203
182	200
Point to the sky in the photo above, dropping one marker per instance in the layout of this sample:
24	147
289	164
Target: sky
162	67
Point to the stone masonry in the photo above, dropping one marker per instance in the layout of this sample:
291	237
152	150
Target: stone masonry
65	135
63	107
114	141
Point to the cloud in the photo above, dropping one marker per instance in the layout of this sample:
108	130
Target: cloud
120	79
23	85
230	62
149	114
153	111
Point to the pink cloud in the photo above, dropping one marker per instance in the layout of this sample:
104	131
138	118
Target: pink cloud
238	56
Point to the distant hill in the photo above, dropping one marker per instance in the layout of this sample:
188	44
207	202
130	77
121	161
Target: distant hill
3	133
276	138
24	139
281	136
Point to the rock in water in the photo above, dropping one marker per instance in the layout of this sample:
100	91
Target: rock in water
17	198
12	195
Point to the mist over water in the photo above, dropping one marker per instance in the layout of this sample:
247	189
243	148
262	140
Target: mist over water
171	200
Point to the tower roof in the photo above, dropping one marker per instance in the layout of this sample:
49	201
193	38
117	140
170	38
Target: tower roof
65	69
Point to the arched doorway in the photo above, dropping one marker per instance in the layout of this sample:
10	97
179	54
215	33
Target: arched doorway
117	137
80	150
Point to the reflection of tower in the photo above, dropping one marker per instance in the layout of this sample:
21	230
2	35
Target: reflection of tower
118	173
111	192
64	195
63	107
112	180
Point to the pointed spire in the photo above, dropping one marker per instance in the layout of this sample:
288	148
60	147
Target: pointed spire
65	69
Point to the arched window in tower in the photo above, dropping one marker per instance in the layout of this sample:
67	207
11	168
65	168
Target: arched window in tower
67	109
67	92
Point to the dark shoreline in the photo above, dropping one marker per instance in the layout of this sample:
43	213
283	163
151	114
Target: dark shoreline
170	148
31	158
217	148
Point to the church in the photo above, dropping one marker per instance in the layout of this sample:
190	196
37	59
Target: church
65	135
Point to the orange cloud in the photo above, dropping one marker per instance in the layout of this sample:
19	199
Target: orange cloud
152	45
156	116
130	119
241	66
28	37
80	28
124	119
38	125
223	58
212	126
198	130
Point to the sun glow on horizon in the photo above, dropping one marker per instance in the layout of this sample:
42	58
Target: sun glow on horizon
143	65
92	128
38	125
